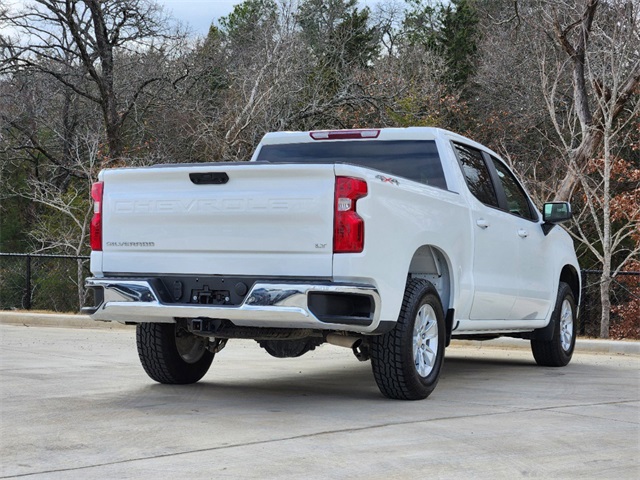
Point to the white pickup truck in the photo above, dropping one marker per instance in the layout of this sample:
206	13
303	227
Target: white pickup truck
385	241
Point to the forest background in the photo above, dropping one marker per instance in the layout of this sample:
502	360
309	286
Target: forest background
553	86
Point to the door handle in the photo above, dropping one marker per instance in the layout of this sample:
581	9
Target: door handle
523	233
482	223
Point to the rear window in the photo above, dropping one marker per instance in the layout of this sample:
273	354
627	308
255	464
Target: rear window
416	160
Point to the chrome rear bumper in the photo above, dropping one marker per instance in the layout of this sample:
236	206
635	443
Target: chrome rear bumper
277	304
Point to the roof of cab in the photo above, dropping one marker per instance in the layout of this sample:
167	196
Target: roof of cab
408	133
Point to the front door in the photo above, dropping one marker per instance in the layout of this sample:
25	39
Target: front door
535	282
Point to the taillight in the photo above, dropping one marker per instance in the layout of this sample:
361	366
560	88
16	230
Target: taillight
96	221
348	226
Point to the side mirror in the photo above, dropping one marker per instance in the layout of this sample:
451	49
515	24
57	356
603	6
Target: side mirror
554	213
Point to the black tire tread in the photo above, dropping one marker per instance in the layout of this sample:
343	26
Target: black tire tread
160	358
549	353
387	350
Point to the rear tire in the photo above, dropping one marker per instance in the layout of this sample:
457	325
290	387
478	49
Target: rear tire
558	351
170	354
407	360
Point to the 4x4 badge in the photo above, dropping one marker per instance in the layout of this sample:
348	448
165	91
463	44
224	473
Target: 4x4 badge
384	179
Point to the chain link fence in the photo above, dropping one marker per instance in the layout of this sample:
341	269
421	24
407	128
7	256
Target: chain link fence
42	282
55	282
625	291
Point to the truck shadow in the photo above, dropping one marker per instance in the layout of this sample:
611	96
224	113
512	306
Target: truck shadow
351	382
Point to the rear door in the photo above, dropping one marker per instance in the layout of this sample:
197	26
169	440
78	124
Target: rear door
226	219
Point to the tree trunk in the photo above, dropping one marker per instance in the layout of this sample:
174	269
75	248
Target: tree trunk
104	49
114	138
587	150
607	253
605	300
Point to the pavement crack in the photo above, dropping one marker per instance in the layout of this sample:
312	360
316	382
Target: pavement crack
608	419
315	434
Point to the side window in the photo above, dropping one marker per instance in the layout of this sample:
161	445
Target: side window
517	201
476	174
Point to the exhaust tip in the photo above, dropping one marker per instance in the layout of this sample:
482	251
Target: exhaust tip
344	341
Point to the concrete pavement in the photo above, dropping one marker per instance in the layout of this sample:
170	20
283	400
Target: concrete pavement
75	403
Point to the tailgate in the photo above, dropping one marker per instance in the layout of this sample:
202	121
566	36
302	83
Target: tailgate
267	219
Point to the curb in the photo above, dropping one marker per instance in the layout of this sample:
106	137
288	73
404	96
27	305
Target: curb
620	347
583	345
62	320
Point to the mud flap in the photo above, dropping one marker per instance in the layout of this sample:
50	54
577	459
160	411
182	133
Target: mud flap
448	323
545	333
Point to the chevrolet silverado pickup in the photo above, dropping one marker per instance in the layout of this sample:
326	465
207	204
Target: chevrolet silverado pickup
386	241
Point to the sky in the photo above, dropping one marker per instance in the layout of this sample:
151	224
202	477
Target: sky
198	14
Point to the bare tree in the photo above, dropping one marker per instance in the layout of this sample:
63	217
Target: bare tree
568	129
72	74
388	17
614	54
276	77
62	225
250	72
572	26
94	48
601	51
